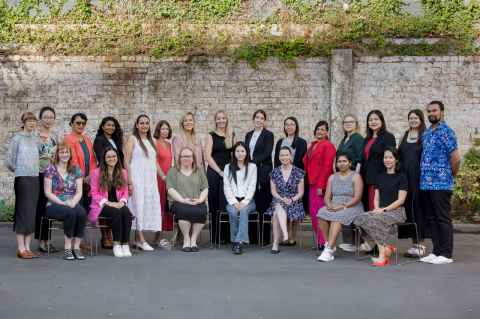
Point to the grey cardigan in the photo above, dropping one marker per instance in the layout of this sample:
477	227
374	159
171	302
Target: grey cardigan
23	155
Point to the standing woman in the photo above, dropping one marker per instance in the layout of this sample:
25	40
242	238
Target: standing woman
410	152
188	137
162	136
260	146
82	152
318	163
141	163
23	159
287	185
48	142
218	150
299	147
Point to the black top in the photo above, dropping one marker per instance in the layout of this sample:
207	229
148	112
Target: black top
112	194
353	147
410	155
389	185
300	147
372	167
101	143
262	154
220	154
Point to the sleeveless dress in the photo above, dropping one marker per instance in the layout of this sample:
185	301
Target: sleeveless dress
164	160
342	192
145	200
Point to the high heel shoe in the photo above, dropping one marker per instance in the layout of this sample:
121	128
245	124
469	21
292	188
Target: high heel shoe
381	263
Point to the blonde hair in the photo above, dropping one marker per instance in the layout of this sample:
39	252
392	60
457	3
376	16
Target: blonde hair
194	164
229	134
355	119
190	138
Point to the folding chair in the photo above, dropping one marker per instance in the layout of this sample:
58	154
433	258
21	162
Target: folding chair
221	214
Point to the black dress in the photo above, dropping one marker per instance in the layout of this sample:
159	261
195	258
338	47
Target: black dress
216	197
410	154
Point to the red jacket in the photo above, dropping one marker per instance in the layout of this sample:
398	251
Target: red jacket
77	152
318	163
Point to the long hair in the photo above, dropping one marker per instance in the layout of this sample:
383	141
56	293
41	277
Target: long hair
158	128
117	135
194	164
136	133
355	119
382	119
56	159
421	128
233	167
297	128
189	138
118	181
229	134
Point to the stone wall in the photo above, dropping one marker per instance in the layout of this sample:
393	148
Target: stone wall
313	89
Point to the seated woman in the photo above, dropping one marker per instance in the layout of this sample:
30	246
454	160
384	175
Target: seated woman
239	184
109	187
390	193
63	189
287	186
342	204
187	187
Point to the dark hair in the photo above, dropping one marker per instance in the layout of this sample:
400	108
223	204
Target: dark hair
233	168
149	134
342	154
396	155
118	180
80	115
46	109
439	103
320	124
261	112
382	119
294	119
156	132
422	127
117	135
288	148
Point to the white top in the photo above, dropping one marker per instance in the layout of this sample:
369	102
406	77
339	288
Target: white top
253	142
112	142
243	188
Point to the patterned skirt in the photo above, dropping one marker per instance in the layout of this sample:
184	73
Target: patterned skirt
381	227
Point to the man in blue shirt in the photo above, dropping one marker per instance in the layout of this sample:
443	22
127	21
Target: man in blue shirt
438	166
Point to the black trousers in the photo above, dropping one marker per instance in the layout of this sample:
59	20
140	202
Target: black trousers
263	198
217	203
120	221
41	211
437	210
74	219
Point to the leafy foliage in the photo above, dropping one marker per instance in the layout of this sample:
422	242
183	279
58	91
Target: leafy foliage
6	211
466	195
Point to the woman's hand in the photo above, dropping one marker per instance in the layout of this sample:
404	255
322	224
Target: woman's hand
378	210
286	201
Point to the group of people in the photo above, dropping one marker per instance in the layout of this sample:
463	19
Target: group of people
154	178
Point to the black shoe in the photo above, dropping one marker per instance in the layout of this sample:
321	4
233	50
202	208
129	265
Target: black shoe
78	254
275	251
284	243
194	249
44	249
68	254
187	249
237	249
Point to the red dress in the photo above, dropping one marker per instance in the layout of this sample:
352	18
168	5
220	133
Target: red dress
164	160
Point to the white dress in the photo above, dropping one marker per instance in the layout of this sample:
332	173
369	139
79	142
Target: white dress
145	200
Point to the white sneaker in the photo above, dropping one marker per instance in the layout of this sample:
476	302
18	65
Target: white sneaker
326	255
144	246
333	249
441	260
117	251
365	246
347	247
126	251
428	259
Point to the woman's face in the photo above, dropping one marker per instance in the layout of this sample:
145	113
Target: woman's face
290	127
30	125
221	120
349	125
389	160
259	120
374	122
414	121
48	119
321	133
109	128
343	164
143	125
111	158
78	125
240	153
186	158
64	155
285	157
164	131
188	123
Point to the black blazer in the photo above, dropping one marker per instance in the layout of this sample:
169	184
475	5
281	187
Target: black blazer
373	167
262	154
100	144
300	146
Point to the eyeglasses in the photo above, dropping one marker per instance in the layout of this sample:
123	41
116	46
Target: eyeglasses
80	123
348	122
186	156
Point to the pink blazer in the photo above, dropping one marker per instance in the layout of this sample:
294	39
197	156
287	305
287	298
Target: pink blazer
100	197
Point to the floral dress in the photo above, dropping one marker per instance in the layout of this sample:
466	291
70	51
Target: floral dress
288	189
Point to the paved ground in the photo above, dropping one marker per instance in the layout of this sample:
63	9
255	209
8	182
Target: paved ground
216	284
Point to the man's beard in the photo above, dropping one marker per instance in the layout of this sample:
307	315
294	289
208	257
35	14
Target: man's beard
433	119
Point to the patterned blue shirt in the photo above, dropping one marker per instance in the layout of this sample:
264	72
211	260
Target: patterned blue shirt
435	168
